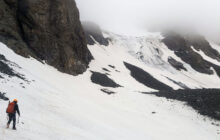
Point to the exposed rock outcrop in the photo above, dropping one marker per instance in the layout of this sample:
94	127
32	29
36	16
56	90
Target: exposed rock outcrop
48	30
94	33
103	80
145	78
10	32
200	43
3	97
6	69
182	46
177	65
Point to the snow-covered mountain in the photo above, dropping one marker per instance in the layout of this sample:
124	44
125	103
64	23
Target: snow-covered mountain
77	82
161	62
106	102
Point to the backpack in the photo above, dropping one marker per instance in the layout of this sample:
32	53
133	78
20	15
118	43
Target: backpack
11	107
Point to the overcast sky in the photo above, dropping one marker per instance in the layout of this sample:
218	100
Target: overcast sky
136	16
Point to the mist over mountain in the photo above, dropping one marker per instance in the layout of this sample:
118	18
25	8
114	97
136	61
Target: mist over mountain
134	17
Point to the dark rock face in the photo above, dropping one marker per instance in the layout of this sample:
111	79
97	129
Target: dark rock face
200	43
103	80
177	65
6	70
3	97
9	29
93	32
206	101
217	69
145	78
181	45
49	30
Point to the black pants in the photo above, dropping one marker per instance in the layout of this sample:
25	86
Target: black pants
12	117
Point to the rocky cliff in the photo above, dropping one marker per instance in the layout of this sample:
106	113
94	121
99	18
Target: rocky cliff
48	30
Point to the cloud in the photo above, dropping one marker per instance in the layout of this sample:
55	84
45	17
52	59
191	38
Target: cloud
136	16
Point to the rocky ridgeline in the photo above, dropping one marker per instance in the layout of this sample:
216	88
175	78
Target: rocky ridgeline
182	44
48	30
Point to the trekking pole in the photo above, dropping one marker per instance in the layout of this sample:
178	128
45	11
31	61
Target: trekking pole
18	120
7	116
7	113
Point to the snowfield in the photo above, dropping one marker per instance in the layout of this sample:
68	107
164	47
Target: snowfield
58	106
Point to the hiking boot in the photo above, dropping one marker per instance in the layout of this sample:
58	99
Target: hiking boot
14	128
7	126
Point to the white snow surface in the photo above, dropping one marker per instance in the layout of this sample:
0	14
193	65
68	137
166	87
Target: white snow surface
58	106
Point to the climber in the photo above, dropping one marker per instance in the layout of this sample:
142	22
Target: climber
12	110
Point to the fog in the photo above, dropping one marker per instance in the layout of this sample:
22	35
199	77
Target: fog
135	17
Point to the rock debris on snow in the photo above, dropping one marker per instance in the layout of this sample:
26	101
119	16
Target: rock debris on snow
103	80
206	101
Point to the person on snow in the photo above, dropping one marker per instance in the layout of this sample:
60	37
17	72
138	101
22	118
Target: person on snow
12	110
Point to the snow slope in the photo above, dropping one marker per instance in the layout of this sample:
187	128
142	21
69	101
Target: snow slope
153	56
59	106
